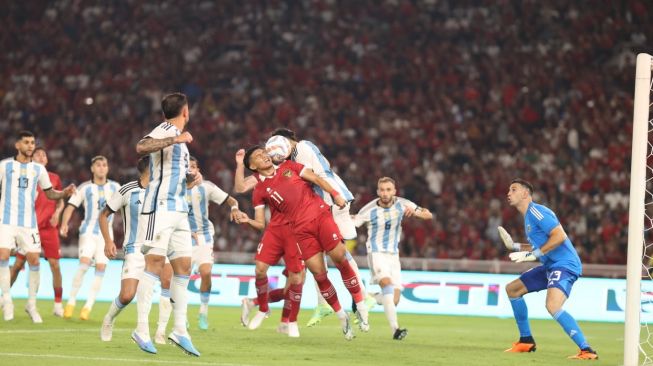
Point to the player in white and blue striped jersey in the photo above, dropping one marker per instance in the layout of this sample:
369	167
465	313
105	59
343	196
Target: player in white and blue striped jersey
163	229
308	154
203	232
19	177
93	196
383	217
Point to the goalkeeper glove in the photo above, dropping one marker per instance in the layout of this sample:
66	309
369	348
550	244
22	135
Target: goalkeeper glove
507	240
525	256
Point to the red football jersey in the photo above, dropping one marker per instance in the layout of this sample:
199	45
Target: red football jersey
45	207
289	194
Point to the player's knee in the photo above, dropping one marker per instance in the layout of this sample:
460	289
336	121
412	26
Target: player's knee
514	289
127	296
552	307
295	278
260	272
337	254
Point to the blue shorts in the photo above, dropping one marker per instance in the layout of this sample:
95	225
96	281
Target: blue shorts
539	278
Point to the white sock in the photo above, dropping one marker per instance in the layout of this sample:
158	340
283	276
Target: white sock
33	287
165	308
97	284
5	281
389	306
179	300
379	298
144	294
204	302
77	283
115	308
354	265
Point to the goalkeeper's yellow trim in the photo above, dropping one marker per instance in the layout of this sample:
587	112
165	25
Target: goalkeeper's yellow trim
350	244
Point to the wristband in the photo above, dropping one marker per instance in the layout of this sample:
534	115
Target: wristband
537	253
516	247
334	193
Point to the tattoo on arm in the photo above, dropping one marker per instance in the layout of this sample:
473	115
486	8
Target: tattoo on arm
149	145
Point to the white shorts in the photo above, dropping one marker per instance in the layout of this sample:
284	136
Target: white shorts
92	246
165	233
385	265
133	266
24	239
202	254
344	221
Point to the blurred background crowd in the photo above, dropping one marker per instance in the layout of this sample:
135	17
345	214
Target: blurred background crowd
452	98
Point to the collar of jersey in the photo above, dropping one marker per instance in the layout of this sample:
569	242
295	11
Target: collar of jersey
263	177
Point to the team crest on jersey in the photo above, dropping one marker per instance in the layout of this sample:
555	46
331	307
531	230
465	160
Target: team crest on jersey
528	228
287	173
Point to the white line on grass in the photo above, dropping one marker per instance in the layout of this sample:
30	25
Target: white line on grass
134	360
63	330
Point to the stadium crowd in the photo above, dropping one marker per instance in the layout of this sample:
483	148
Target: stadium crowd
451	98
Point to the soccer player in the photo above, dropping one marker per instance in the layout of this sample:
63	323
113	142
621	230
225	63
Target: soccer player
383	217
202	228
48	213
19	177
164	230
307	153
93	195
278	241
561	267
288	190
129	202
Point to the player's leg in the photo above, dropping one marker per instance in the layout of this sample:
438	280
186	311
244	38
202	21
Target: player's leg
5	280
532	280
559	286
261	282
101	261
293	301
165	307
351	282
30	243
86	251
203	257
19	264
180	252
322	310
132	270
52	252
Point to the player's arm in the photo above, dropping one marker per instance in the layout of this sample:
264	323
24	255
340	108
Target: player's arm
54	220
258	222
242	184
557	236
423	213
308	175
67	214
149	145
109	246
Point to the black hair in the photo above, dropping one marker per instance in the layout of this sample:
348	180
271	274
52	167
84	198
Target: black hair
248	154
285	132
24	133
526	184
143	164
173	104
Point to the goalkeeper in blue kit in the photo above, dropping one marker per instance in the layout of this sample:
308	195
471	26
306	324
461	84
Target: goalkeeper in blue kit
561	267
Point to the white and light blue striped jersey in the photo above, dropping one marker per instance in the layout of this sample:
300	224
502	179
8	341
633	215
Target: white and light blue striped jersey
129	201
198	216
93	197
18	186
307	154
168	169
383	224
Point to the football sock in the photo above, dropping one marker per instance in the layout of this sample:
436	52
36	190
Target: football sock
389	306
144	295
568	323
33	287
115	308
276	295
5	280
77	283
351	281
328	291
97	284
165	308
179	301
295	299
520	310
204	302
262	294
58	293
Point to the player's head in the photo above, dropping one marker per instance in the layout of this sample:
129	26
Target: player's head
99	167
285	132
278	148
257	159
193	165
25	143
175	105
520	191
143	166
40	156
386	189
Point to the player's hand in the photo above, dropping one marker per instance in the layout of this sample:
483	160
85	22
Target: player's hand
235	215
184	138
506	238
110	249
195	237
193	180
409	212
340	202
69	191
519	257
240	156
54	220
242	218
63	230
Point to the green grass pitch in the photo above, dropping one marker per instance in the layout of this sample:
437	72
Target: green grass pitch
431	340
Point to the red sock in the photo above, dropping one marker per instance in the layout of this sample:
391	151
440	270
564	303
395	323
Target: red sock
57	294
328	291
295	299
350	280
255	301
276	295
262	294
285	313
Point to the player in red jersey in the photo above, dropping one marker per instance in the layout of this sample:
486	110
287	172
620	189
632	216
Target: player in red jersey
287	189
48	213
278	241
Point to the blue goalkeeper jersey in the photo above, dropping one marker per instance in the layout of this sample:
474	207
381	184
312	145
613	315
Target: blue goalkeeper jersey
538	223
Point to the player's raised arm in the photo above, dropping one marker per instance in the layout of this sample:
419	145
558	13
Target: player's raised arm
308	175
109	246
149	145
242	184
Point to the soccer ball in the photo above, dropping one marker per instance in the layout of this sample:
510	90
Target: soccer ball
278	148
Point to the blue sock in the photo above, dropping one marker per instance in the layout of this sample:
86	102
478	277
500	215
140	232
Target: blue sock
568	323
165	292
520	310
